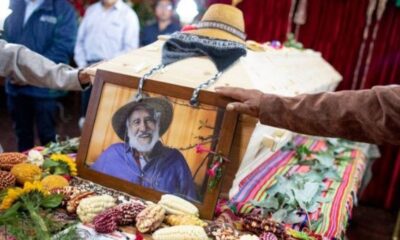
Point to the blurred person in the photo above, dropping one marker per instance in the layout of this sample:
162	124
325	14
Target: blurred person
49	28
165	24
109	28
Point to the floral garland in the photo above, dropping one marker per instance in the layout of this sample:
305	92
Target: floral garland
214	170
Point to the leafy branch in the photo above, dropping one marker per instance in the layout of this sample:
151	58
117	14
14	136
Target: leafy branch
294	196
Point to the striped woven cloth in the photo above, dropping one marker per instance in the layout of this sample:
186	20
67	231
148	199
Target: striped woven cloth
336	213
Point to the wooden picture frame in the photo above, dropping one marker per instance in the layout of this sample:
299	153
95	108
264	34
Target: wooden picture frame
105	84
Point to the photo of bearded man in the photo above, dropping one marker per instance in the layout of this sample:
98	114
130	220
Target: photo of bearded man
142	158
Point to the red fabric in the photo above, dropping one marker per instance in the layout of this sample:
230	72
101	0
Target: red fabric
384	69
335	28
81	5
258	15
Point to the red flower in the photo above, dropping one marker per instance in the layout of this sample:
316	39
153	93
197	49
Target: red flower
201	149
68	177
188	28
139	236
213	170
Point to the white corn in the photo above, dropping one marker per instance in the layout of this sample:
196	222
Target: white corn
177	205
183	232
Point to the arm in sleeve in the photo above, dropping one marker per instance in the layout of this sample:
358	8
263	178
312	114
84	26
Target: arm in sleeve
28	67
131	32
62	46
365	115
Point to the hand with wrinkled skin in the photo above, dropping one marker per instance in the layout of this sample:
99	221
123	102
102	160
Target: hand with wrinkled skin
248	101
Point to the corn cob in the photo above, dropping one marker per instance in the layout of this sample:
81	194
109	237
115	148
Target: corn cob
89	207
6	180
222	231
268	236
150	218
258	225
106	222
129	211
249	237
176	205
175	220
8	160
73	202
68	192
183	232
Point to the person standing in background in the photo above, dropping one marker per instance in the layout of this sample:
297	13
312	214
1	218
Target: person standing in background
165	24
49	28
108	29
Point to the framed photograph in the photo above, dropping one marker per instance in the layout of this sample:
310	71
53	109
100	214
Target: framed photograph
160	144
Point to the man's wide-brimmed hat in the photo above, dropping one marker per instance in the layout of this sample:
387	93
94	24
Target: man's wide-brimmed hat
160	105
221	21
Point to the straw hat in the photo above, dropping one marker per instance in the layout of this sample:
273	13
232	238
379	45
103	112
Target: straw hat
220	21
161	105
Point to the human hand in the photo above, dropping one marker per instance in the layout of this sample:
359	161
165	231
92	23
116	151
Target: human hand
87	74
85	77
248	100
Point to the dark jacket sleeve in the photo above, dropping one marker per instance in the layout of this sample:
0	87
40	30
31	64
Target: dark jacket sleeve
366	115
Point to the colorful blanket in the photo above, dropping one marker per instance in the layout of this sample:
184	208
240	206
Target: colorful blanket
336	212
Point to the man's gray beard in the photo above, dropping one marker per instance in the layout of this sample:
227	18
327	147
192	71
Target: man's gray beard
134	143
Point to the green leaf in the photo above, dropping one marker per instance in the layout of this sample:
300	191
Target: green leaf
271	203
51	201
3	193
343	158
280	215
283	185
333	174
306	194
61	170
11	212
48	163
313	176
326	159
312	206
302	152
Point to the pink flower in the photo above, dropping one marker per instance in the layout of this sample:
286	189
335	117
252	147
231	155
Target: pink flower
188	28
201	149
213	170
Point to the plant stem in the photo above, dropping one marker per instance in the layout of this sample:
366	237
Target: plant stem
43	232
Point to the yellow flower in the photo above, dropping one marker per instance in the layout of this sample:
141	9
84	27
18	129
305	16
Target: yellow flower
67	160
13	194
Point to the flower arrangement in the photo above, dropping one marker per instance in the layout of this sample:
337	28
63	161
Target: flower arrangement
22	207
13	194
28	212
214	170
60	164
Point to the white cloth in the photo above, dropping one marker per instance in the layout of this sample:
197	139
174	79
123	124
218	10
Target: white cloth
106	33
31	6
